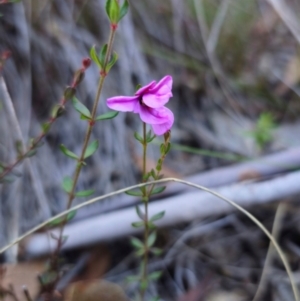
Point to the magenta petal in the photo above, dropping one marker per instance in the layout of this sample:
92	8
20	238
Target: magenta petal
160	129
123	103
145	88
160	94
164	86
153	116
156	100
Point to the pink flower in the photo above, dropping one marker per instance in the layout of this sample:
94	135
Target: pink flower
149	103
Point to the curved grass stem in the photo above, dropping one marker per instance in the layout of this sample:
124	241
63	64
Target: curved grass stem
238	207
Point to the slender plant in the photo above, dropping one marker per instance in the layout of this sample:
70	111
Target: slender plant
149	102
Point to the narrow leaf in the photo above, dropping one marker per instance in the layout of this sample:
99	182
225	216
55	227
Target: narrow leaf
91	149
85	193
136	243
59	220
138	137
31	153
137	224
102	55
67	152
112	61
124	9
113	11
81	108
156	251
155	275
151	239
157	216
108	115
134	192
157	190
94	56
46	127
67	184
139	212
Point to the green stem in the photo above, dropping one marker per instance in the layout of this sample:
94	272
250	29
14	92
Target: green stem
146	231
80	161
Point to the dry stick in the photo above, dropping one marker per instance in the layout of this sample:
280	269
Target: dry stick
280	212
85	145
241	209
41	197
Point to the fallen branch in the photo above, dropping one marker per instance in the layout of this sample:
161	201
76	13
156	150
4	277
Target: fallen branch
182	208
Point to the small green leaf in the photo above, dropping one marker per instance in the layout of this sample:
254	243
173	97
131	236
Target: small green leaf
156	251
168	148
68	153
91	149
155	275
136	243
139	212
102	55
134	192
143	285
19	147
138	86
130	279
31	153
81	108
153	174
7	179
157	190
137	224
113	11
85	193
162	149
146	176
112	61
108	115
59	220
124	9
157	216
67	184
140	252
69	92
138	137
151	239
46	127
94	57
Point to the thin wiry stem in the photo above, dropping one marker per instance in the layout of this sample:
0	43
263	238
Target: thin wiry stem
87	137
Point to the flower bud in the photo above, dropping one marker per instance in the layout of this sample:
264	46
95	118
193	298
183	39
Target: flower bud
86	62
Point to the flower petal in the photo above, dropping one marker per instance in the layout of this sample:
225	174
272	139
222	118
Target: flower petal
160	94
123	103
144	89
160	129
153	116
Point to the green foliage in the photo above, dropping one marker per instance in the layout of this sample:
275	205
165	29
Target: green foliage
67	184
263	131
157	216
60	220
85	193
81	108
68	153
108	115
91	149
114	12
